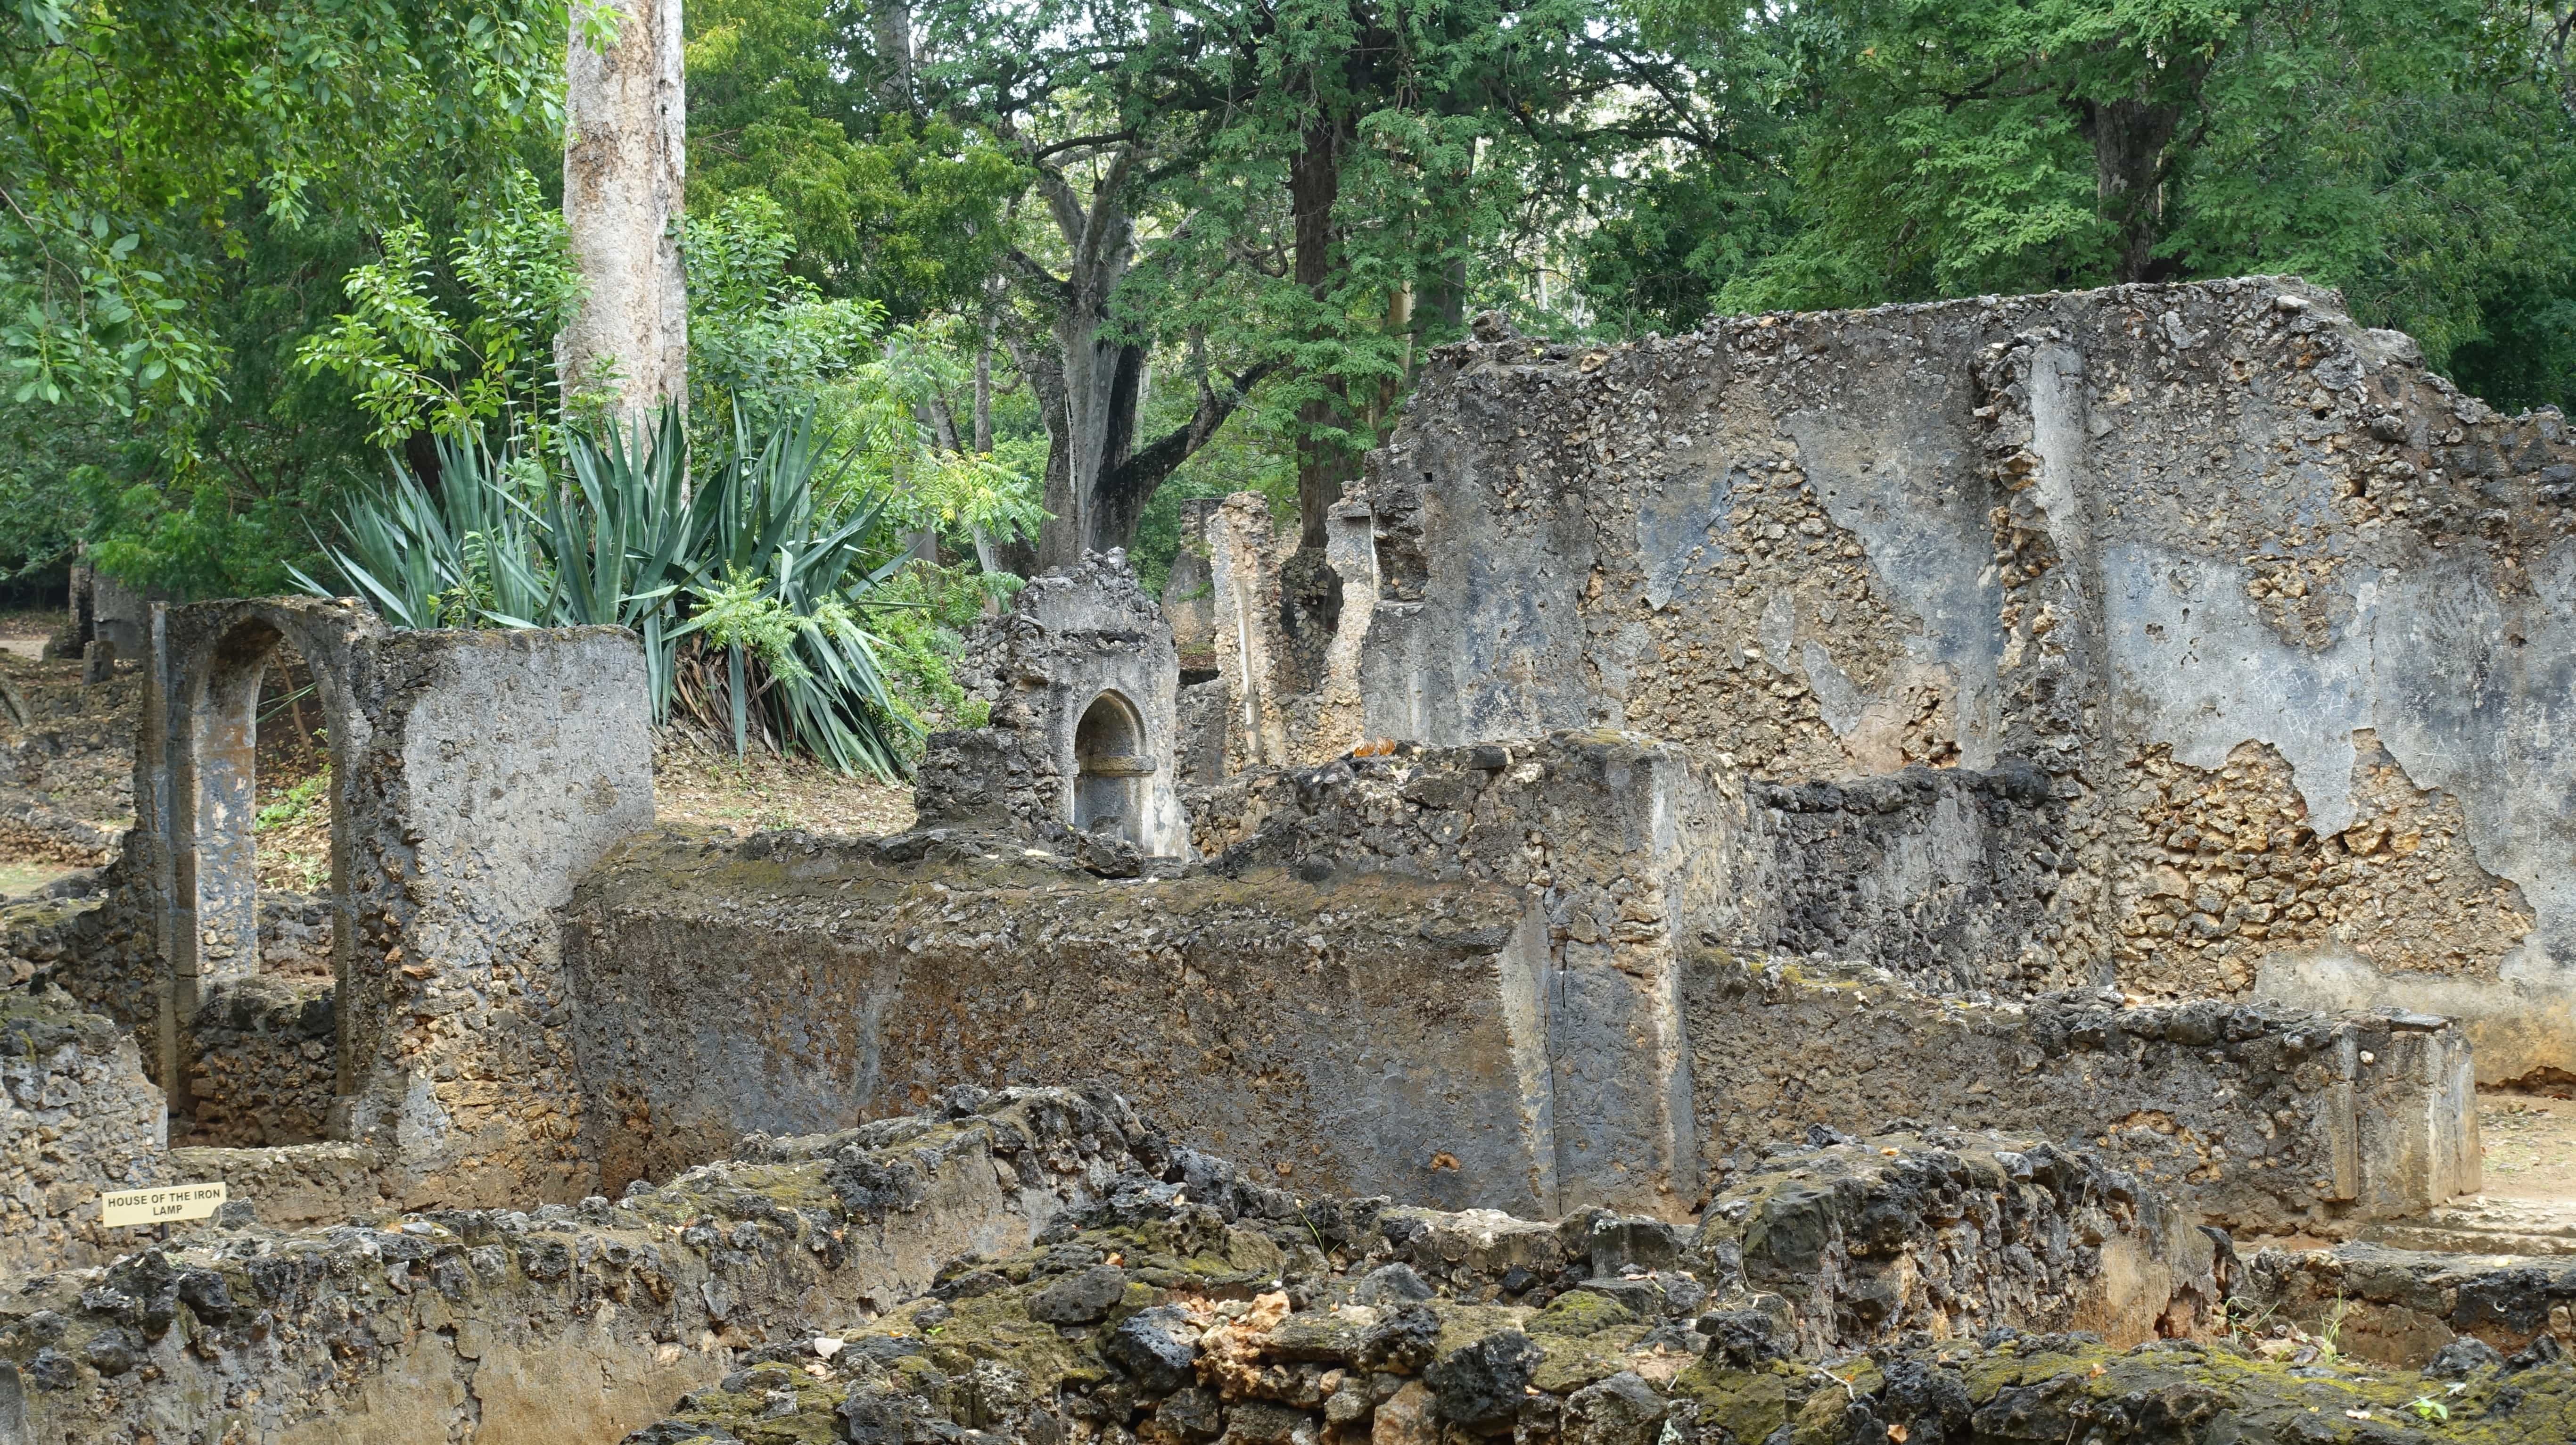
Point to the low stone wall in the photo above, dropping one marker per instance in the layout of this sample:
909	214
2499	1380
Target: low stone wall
264	1064
76	1118
2255	1116
1185	1313
1345	1033
1491	977
262	1051
575	1324
1451	983
98	948
295	934
31	828
295	1186
2399	1307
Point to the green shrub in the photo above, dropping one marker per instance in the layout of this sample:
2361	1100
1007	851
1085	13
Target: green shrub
755	608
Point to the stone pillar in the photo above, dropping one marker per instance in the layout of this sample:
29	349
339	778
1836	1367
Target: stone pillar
625	124
1189	601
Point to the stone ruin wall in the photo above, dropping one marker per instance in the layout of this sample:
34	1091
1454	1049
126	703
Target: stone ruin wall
1527	978
1067	642
1060	1211
76	1117
2287	624
66	761
1794	774
574	1323
475	775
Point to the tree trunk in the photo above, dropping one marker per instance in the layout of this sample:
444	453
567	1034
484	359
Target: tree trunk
625	127
1101	384
984	388
2132	139
1447	299
1314	185
2129	138
890	25
1090	385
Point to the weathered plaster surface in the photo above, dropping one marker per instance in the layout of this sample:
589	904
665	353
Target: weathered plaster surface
2107	535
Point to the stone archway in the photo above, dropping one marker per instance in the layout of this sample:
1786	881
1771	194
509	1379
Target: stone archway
209	792
1111	765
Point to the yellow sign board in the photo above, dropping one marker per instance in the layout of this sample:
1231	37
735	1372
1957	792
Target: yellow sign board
165	1204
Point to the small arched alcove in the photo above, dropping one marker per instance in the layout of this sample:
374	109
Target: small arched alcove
1111	766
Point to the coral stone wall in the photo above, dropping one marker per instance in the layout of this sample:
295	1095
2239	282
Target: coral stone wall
2287	624
474	776
571	1324
1497	976
2256	1117
1071	642
263	1064
66	759
77	1117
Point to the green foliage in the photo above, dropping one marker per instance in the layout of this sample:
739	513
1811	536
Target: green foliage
768	344
417	369
181	186
923	613
135	128
469	554
2416	155
290	806
748	600
244	248
902	210
763	341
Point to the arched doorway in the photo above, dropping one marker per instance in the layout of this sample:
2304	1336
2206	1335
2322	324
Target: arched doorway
271	1069
1110	769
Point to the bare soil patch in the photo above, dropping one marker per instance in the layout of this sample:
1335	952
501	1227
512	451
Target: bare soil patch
2530	1141
701	784
24	632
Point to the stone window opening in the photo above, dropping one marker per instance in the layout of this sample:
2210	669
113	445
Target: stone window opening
1111	765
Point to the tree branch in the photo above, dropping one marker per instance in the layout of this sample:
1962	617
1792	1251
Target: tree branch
1146	470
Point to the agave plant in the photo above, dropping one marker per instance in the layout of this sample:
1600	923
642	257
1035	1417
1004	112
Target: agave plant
748	600
783	588
466	555
629	539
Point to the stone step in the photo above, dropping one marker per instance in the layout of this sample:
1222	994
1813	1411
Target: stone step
2485	1226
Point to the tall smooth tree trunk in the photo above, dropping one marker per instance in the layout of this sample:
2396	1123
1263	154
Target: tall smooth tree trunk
890	25
625	132
1314	186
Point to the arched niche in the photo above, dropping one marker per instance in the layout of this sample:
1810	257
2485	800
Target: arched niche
1111	766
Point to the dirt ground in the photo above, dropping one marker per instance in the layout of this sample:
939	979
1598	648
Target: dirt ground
21	876
703	785
2530	1143
24	633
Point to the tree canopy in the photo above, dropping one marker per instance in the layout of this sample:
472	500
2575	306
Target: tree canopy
1074	259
